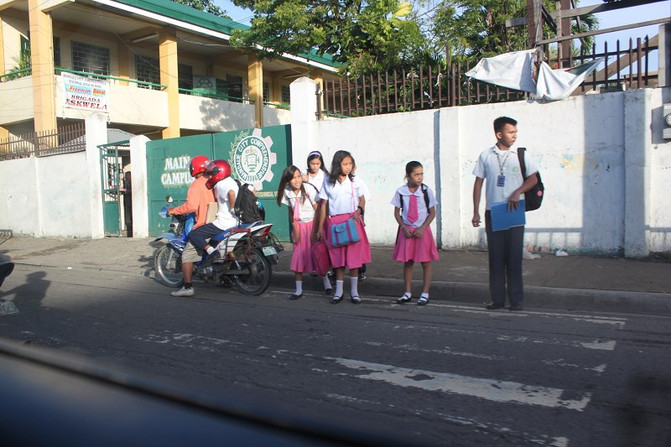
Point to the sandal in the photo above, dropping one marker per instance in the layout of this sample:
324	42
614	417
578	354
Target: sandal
406	298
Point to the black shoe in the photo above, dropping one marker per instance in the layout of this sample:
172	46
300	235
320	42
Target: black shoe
328	291
295	296
336	299
355	299
423	301
494	306
404	299
214	256
516	307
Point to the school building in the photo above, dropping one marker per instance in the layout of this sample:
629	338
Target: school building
153	67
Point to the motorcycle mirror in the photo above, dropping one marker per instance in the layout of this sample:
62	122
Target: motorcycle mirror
168	199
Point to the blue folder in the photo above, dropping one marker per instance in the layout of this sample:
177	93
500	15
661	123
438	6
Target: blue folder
504	219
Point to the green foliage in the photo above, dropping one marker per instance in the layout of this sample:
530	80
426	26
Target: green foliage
477	28
362	35
204	5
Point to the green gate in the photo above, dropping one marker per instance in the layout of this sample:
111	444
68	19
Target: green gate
257	156
111	172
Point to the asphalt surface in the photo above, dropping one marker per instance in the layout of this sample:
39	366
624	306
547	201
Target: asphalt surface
586	283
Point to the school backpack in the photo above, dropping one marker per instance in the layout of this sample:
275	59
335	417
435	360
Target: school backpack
534	197
247	208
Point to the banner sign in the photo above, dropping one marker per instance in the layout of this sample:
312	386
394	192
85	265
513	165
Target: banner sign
85	93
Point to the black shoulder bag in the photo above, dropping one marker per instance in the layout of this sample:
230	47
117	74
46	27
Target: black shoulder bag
534	197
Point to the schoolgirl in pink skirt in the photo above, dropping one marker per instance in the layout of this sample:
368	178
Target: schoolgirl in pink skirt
344	196
414	210
301	198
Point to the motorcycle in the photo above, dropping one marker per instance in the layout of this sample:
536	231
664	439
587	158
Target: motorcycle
247	252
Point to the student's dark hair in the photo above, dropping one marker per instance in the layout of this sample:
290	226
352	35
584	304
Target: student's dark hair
287	175
316	154
501	121
410	166
336	170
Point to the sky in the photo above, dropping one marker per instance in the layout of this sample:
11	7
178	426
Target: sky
608	19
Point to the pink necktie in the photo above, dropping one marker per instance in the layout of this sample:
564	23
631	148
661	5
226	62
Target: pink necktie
413	215
297	210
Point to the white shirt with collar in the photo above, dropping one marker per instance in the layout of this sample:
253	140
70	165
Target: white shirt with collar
488	167
305	208
343	198
403	193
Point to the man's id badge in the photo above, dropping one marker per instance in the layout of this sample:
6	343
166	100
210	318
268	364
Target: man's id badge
501	181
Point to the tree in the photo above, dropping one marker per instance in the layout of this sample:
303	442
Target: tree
204	5
362	35
477	28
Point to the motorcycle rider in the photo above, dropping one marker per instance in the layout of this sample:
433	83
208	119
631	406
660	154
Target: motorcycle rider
225	190
198	198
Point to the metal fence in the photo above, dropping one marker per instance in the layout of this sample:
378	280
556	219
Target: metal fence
433	87
64	140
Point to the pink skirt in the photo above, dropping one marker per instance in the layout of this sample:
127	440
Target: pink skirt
421	249
301	259
353	255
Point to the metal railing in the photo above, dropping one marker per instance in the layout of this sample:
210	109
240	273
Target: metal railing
434	87
64	140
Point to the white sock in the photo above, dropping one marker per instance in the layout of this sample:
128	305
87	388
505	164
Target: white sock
353	284
299	287
210	250
407	295
327	282
424	296
339	284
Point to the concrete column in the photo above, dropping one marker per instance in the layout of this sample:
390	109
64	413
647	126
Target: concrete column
96	134
42	57
255	84
665	55
450	213
168	63
2	50
319	80
123	62
637	154
303	118
138	156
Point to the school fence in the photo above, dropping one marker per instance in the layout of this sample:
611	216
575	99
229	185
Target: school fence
63	140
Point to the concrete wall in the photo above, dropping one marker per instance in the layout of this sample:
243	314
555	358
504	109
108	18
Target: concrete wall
602	158
40	199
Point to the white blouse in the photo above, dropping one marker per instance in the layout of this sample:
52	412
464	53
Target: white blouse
306	208
343	198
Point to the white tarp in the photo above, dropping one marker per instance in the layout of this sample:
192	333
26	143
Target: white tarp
516	71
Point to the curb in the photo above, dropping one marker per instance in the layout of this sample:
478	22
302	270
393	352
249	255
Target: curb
534	296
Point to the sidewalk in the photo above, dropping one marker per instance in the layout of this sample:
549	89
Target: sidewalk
571	282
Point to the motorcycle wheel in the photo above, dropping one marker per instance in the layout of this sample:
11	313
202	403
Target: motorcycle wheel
258	279
168	266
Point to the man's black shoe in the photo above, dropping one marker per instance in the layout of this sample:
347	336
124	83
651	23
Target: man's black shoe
516	307
493	306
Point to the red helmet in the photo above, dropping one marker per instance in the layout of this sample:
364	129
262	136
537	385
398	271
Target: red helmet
198	164
218	170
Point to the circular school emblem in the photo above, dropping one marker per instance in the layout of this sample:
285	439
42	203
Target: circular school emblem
252	158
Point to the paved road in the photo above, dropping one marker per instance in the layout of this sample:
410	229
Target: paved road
439	375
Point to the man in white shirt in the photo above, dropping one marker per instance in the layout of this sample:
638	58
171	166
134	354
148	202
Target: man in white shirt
500	166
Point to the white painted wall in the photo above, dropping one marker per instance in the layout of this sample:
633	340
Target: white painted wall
602	158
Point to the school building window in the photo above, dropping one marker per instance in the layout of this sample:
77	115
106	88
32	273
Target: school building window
90	58
266	92
286	94
146	70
